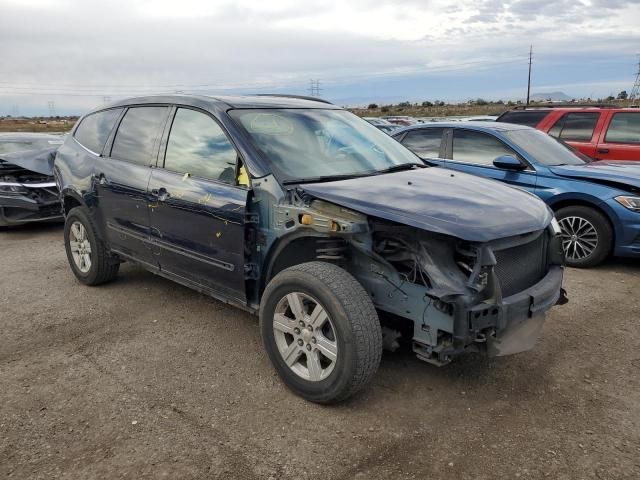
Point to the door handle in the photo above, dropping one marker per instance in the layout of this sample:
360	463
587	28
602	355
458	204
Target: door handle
160	194
603	150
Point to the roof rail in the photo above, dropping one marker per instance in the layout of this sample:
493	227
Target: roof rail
567	105
300	97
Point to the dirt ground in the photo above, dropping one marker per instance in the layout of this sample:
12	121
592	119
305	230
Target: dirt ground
142	378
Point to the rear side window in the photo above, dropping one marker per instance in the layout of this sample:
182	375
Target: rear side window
94	129
198	146
478	148
424	142
575	126
138	134
624	128
530	118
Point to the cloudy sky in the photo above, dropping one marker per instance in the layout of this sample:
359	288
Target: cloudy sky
79	54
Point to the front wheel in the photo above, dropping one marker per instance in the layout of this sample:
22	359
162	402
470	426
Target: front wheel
321	331
586	236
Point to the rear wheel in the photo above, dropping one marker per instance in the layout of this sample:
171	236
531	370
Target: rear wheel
586	236
89	259
321	331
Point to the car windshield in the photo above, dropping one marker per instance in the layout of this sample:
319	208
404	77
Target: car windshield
303	145
543	148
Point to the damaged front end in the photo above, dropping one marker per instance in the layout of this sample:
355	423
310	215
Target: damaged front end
459	295
28	195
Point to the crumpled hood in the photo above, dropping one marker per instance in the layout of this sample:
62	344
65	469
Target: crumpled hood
39	161
442	201
626	173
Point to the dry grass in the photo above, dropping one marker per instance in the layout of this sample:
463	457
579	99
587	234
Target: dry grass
36	125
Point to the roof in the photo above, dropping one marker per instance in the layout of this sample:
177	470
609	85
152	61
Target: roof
238	101
480	126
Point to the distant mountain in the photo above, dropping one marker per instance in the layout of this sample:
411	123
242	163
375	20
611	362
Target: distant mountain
553	96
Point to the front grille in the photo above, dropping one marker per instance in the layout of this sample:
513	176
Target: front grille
522	266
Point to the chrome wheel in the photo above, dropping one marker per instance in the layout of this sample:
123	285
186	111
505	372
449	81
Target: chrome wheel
80	246
305	336
579	237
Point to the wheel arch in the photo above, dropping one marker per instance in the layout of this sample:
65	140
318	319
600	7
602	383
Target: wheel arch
71	199
595	204
292	249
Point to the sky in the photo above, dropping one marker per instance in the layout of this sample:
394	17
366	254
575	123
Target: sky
66	57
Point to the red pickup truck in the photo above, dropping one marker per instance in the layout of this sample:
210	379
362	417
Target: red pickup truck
603	133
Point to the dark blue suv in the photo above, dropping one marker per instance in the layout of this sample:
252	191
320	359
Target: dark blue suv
597	203
337	235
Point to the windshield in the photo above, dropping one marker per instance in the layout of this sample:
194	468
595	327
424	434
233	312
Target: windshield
311	144
543	148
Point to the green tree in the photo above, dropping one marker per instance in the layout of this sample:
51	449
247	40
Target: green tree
427	103
623	95
372	106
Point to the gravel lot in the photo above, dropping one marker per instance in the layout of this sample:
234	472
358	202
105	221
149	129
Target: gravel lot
142	378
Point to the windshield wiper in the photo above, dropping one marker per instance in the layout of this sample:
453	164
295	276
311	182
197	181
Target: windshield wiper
402	166
326	178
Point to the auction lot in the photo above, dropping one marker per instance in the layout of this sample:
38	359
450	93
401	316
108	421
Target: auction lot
143	378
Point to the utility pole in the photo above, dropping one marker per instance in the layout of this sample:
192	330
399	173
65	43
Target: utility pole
52	108
529	81
635	91
106	99
314	88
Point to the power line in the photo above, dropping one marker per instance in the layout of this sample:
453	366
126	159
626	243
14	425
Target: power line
314	88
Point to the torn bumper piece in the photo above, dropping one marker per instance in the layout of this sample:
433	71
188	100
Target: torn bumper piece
39	204
521	317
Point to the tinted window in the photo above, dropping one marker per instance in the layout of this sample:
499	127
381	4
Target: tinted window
94	129
544	148
198	146
425	142
137	134
624	128
478	148
530	118
575	126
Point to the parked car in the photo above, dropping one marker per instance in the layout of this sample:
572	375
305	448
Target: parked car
401	120
306	214
597	204
382	124
28	192
602	133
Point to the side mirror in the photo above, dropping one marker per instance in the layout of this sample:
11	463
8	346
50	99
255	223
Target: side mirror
508	162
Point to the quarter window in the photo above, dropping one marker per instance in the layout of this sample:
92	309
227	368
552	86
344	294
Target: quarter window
478	148
424	142
624	128
575	126
198	146
94	129
137	135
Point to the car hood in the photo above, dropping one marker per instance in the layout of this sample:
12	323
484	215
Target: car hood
452	203
622	173
39	161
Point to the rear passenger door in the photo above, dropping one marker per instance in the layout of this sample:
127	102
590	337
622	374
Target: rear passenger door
621	137
197	212
578	129
427	144
474	152
122	178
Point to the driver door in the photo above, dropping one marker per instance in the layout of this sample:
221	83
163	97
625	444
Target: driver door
474	152
197	208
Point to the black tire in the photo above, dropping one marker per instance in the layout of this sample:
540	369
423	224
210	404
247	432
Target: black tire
602	228
104	266
353	317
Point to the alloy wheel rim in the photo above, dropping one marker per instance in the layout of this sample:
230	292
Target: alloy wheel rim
579	237
80	246
305	336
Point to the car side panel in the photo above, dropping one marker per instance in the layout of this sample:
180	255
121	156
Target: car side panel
615	151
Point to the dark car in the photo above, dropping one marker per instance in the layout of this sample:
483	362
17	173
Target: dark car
597	204
601	132
306	214
28	191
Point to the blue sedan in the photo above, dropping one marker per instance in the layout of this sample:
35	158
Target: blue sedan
597	204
